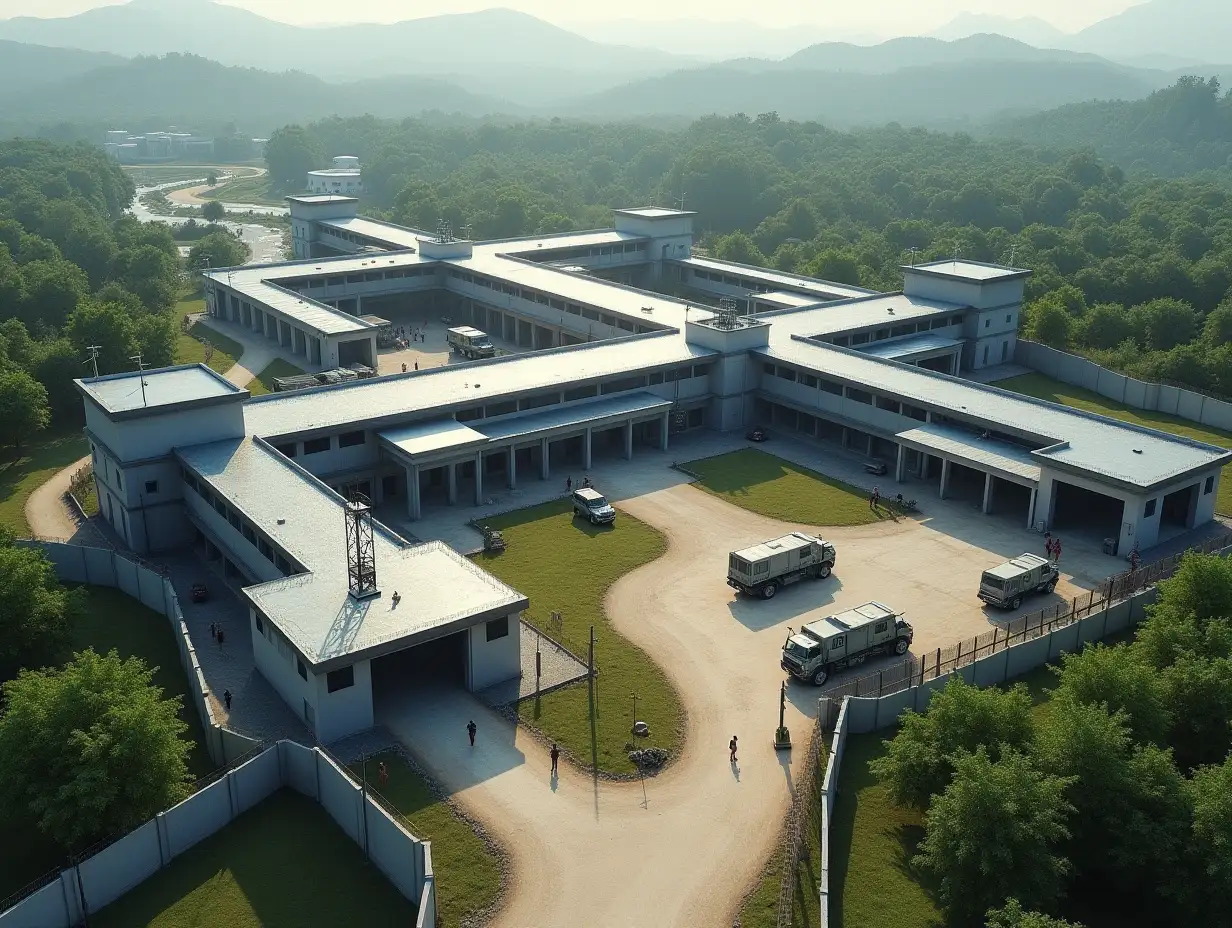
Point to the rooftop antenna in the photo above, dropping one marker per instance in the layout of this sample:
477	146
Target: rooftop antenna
93	358
912	252
725	318
681	200
444	233
467	232
1013	253
361	553
141	368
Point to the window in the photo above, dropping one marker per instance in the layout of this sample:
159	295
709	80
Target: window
987	322
340	679
260	624
880	627
351	439
808	380
860	338
768	369
301	669
761	567
151	486
1005	350
841	341
498	628
283	565
956	320
786	373
234	518
881	334
859	396
829	386
266	551
1008	317
288	450
316	445
1208	486
1150	509
119	482
656	378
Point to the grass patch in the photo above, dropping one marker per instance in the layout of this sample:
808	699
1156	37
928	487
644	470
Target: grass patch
254	190
190	346
282	863
466	869
770	486
872	881
567	565
264	382
153	174
1045	388
22	472
113	620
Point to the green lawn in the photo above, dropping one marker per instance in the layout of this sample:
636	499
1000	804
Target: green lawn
113	620
190	347
468	872
22	472
776	488
282	864
245	190
1045	388
264	382
567	565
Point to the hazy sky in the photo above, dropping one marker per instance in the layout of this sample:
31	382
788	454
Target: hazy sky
887	17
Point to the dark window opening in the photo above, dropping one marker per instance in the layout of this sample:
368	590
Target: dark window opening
340	679
498	628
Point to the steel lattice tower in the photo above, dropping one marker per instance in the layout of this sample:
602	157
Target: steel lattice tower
361	558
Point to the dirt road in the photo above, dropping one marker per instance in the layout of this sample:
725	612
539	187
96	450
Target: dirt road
685	850
47	509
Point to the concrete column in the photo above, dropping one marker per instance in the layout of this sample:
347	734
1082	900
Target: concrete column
868	450
945	476
513	468
479	479
378	489
986	506
1031	509
900	464
921	465
545	469
359	304
586	436
664	421
451	474
413	510
845	442
954	364
629	440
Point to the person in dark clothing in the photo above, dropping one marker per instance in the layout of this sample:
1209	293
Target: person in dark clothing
214	630
731	745
555	757
471	728
226	698
221	636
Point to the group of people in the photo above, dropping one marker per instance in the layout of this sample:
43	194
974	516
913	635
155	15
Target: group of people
1053	547
584	484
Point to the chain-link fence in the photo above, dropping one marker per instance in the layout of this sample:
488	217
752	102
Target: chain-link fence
914	671
801	822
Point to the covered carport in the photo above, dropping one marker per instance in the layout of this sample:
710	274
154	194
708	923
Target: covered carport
998	476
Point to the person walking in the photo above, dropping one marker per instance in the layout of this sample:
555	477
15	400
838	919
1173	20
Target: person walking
226	698
471	728
1056	552
731	745
873	499
569	484
416	365
382	774
214	630
404	368
1048	544
221	636
555	757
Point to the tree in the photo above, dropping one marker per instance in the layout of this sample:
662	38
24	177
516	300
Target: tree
152	274
53	289
1012	915
1105	326
218	249
1217	329
108	326
992	835
1048	323
23	408
90	749
1164	323
1209	893
212	179
36	611
1117	679
213	211
960	718
1191	614
1199	694
290	154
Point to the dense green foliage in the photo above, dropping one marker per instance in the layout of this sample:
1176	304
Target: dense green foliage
75	271
1126	775
36	612
90	749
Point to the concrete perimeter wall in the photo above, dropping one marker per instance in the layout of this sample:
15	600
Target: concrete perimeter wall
124	864
1176	401
106	567
855	715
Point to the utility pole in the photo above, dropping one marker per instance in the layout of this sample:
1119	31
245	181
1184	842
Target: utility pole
93	358
633	727
141	369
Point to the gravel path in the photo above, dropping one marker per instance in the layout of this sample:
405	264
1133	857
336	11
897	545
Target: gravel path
48	511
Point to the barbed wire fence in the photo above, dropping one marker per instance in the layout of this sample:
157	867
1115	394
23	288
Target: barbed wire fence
801	822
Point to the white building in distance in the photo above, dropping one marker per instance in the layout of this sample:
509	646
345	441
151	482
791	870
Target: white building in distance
345	178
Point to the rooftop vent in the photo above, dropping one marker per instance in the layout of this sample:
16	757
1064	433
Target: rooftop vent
648	309
1137	451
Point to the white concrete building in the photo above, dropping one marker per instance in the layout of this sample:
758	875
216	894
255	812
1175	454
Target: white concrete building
344	178
183	456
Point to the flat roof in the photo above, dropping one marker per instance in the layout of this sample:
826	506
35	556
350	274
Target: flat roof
910	344
416	392
321	198
788	542
399	237
571	414
167	389
779	280
967	446
654	212
967	270
432	436
882	310
441	591
1139	457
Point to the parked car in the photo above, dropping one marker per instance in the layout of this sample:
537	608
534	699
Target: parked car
592	506
757	434
200	592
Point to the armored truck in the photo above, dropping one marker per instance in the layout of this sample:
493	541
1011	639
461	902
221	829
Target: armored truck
470	342
1005	585
821	648
763	569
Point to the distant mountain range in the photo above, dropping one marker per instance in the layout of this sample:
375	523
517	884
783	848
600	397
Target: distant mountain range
1029	29
25	67
918	51
1198	30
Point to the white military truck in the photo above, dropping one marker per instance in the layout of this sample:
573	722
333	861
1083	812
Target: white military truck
762	569
844	640
470	343
1005	585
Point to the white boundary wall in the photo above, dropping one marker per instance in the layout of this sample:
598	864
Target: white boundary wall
101	879
856	715
1176	401
106	567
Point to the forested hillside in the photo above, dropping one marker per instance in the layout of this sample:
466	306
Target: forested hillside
1142	262
1175	131
74	271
